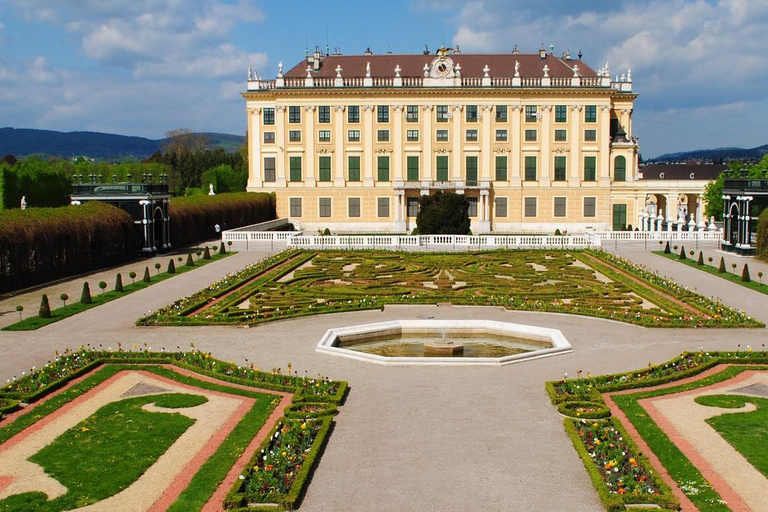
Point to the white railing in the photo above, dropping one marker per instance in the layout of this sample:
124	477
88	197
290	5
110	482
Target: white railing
257	236
659	235
443	242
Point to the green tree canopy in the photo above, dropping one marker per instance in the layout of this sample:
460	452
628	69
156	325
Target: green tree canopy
443	214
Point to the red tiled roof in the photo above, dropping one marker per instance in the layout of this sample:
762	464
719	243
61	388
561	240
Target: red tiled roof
501	65
692	171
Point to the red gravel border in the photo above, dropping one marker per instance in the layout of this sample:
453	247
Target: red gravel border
735	501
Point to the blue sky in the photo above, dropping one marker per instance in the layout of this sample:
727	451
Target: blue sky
144	67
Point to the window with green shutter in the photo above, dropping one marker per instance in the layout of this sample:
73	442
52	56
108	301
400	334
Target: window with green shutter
295	166
442	168
530	168
590	168
413	168
471	167
353	168
325	168
560	169
590	114
620	169
383	168
501	168
561	113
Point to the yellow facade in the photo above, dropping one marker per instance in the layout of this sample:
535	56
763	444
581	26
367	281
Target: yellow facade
533	153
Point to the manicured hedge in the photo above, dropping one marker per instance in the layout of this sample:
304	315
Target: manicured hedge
36	181
38	245
194	218
762	236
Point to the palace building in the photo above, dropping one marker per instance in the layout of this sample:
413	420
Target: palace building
536	142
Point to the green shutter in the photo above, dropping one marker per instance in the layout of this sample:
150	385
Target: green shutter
471	171
353	164
501	168
295	163
559	168
442	168
413	168
590	164
383	167
325	168
530	168
620	169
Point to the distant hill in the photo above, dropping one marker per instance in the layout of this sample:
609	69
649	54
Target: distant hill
718	154
101	146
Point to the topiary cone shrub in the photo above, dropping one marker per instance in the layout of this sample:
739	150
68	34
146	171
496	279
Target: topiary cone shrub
666	248
700	261
85	297
45	307
118	282
207	254
721	268
222	250
682	253
171	267
147	277
190	261
745	274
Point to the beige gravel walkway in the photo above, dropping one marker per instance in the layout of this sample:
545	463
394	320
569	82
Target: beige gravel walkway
418	439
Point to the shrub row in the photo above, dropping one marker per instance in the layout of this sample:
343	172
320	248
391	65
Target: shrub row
194	218
38	245
36	181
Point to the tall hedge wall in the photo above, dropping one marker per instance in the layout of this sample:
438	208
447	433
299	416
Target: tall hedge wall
762	236
43	244
194	218
41	185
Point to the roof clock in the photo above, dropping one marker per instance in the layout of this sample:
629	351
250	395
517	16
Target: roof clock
442	65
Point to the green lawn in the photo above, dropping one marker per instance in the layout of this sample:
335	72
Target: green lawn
98	297
747	432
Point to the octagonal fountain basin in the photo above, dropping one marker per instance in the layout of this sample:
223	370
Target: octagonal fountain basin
443	342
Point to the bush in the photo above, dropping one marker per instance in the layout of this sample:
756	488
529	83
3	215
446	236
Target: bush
147	276
682	253
45	307
721	268
193	218
85	297
745	274
37	180
700	261
171	267
222	250
206	253
190	261
443	214
666	248
45	244
761	245
118	282
557	232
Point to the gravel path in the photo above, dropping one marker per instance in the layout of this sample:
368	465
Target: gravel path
408	438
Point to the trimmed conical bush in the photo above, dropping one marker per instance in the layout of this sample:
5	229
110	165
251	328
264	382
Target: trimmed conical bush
721	268
700	261
682	253
118	283
45	308
147	276
207	253
171	267
85	297
190	261
745	274
222	250
666	248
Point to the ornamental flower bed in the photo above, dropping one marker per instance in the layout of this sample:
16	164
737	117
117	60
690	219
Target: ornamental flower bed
299	283
615	458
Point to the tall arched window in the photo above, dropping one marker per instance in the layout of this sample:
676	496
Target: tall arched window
620	169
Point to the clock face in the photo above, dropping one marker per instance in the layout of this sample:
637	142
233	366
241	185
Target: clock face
441	67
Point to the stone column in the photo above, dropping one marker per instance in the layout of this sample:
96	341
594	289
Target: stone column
426	143
338	142
515	157
309	144
281	161
576	137
486	137
605	145
397	111
368	135
546	153
254	150
457	137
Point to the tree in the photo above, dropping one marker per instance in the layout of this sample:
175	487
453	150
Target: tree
118	283
85	296
745	274
147	277
132	275
45	307
171	267
207	253
190	261
443	213
761	246
183	140
721	268
103	286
